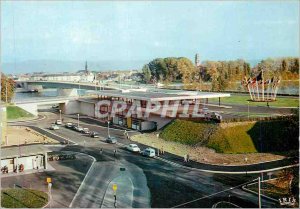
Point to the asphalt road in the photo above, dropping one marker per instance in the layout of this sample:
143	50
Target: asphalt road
169	185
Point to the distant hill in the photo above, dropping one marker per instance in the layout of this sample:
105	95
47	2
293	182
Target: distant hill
55	66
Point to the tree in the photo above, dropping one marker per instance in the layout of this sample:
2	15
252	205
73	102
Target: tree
147	73
7	84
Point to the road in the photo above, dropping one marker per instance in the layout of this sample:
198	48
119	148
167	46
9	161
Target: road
168	184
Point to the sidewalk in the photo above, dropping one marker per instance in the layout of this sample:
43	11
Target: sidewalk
254	168
124	193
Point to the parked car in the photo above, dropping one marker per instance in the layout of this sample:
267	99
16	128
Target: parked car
69	125
94	134
78	128
58	122
85	131
149	152
54	127
133	148
111	140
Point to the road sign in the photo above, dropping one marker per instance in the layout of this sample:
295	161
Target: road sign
49	180
115	187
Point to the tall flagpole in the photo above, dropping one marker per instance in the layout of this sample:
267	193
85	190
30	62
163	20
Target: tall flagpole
263	85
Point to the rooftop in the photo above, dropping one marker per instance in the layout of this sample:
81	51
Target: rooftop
23	150
161	95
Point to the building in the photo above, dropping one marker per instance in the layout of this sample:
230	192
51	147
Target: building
24	157
138	119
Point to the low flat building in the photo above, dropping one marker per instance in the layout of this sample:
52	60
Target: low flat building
23	158
186	100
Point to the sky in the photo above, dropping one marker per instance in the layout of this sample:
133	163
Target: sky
133	33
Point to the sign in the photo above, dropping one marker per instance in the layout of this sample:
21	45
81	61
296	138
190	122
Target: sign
49	180
114	187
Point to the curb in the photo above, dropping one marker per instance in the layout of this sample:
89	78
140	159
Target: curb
31	120
225	172
94	160
108	186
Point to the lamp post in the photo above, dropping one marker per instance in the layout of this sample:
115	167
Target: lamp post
60	115
248	110
78	120
108	129
246	159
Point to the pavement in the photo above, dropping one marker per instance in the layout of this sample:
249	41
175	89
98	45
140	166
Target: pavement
156	182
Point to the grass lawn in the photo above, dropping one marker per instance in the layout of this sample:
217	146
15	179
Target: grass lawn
271	189
234	138
243	100
23	198
14	113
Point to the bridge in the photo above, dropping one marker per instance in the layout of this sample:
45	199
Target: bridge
32	105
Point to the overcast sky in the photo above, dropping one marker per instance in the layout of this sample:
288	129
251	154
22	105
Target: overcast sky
144	30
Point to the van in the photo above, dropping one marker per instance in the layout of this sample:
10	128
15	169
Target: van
149	152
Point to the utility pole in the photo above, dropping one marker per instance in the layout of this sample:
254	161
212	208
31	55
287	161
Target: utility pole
108	129
259	194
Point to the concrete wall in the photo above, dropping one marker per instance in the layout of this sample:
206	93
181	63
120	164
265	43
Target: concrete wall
71	107
148	125
87	109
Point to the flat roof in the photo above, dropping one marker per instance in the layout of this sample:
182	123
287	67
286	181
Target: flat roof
161	95
23	150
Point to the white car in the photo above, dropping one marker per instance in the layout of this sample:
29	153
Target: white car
54	127
58	122
133	148
149	152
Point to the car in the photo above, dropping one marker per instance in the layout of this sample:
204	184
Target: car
78	128
111	140
85	131
149	152
94	134
54	127
58	122
133	148
69	125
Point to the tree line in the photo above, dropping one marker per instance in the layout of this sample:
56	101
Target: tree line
7	88
218	73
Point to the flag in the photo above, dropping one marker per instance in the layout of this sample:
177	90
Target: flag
259	77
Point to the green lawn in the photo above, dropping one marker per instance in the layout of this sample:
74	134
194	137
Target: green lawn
23	198
14	113
243	100
278	135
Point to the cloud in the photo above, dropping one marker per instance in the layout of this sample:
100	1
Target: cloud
83	36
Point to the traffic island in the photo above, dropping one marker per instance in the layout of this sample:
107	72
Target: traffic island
119	193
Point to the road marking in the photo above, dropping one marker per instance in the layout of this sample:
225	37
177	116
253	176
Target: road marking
94	160
58	136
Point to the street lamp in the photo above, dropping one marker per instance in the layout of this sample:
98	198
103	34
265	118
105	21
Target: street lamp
246	159
60	115
248	110
78	120
108	129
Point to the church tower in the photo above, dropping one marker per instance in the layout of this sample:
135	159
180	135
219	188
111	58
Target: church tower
197	60
86	68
